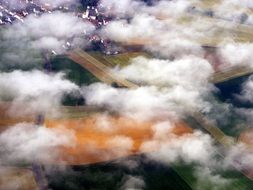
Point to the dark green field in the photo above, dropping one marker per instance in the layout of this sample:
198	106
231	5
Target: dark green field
113	175
74	71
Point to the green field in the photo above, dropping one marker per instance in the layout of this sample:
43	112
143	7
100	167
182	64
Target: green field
113	175
235	180
74	71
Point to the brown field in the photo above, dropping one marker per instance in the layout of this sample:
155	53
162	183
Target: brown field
246	137
99	138
12	178
7	119
103	140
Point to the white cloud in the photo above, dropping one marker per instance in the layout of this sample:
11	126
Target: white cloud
39	91
145	102
54	28
32	143
183	72
162	8
53	3
50	31
233	10
191	148
175	47
241	3
120	8
246	94
173	88
142	26
142	103
166	9
177	88
163	37
133	183
207	179
239	156
236	54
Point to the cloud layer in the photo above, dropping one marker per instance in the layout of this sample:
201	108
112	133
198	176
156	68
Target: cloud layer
37	34
35	90
30	143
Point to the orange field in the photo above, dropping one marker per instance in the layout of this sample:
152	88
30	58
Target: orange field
98	138
101	139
